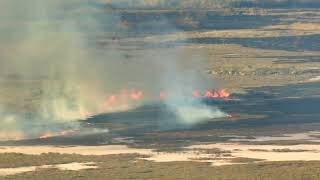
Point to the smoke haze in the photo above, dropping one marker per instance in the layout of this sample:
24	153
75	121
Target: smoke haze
52	70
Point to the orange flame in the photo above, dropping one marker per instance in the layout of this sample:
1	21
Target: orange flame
123	99
136	95
68	132
112	99
223	93
196	94
46	136
64	133
61	133
209	94
220	93
163	95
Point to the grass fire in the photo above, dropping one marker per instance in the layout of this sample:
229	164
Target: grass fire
160	89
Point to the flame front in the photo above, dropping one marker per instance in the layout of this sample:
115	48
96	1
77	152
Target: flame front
46	136
128	99
125	99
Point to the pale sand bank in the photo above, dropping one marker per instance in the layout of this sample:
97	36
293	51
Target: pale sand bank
195	153
315	79
267	152
65	167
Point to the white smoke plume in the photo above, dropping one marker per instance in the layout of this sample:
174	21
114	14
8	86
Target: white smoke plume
52	71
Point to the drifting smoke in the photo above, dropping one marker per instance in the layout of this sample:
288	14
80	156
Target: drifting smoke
52	70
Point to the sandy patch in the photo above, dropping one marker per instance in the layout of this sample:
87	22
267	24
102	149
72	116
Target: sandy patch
197	153
266	152
314	79
111	150
65	167
13	171
75	166
182	156
223	163
297	26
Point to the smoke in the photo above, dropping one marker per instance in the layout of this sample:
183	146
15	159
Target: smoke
184	74
49	75
52	71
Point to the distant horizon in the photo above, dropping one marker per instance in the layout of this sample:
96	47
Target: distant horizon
194	4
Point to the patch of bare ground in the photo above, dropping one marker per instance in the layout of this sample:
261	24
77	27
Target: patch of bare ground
218	153
268	152
64	167
298	26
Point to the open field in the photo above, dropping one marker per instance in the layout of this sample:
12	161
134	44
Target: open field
129	167
269	59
